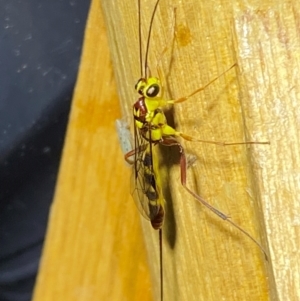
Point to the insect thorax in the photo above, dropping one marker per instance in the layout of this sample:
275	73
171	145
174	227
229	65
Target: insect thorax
150	123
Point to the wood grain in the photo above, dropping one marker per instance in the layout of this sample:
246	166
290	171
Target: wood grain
268	45
94	247
204	257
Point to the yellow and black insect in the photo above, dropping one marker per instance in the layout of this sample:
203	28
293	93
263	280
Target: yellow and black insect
150	129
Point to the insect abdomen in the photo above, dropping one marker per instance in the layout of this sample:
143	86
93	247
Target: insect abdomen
158	220
156	209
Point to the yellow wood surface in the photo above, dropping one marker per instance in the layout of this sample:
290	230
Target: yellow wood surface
268	52
205	258
94	247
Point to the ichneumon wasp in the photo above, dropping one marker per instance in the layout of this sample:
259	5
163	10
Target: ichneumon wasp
150	129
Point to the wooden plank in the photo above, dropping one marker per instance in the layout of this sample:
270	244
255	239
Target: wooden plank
268	47
94	248
204	257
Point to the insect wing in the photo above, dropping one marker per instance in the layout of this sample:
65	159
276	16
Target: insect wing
143	180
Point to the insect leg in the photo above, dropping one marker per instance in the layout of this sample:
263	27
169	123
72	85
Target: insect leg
133	152
184	98
169	131
169	141
190	138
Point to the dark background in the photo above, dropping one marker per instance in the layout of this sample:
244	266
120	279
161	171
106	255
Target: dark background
40	47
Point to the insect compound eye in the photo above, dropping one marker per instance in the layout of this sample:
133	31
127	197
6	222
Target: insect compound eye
153	90
140	85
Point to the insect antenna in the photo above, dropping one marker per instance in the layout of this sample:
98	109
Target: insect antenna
149	37
140	37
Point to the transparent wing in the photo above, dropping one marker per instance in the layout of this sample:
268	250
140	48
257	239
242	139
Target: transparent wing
143	181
